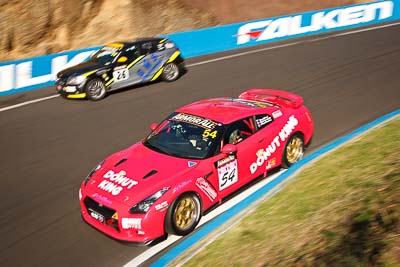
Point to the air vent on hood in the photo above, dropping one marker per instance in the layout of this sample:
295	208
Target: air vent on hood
152	172
120	162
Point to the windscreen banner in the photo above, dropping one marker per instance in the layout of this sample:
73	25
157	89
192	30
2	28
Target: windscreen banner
32	73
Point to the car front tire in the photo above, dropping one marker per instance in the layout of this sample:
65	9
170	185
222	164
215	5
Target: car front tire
183	215
95	89
294	150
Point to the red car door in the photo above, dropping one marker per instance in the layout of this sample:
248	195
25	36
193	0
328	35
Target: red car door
269	154
231	171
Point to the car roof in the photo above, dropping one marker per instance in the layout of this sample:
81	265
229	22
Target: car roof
136	41
227	110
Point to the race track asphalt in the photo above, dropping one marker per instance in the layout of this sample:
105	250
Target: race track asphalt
47	148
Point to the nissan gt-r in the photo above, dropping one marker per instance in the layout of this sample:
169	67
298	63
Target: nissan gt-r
198	155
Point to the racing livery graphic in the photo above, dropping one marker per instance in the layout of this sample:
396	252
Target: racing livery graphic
197	156
119	65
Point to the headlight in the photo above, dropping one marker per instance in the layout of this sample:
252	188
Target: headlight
144	205
77	80
92	172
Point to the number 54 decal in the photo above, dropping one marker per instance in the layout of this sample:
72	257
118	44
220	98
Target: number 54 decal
227	174
207	133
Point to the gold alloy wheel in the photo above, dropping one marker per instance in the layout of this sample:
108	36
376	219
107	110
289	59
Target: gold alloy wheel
294	150
185	214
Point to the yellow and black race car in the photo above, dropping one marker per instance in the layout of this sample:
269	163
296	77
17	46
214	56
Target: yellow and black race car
119	65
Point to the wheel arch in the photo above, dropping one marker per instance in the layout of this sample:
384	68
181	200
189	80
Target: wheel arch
299	132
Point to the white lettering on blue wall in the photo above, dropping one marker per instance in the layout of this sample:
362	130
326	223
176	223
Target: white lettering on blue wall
293	25
15	76
7	77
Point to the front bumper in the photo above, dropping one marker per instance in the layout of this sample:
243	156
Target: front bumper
113	219
70	90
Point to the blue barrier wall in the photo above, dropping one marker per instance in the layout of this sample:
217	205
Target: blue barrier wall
37	72
32	73
239	35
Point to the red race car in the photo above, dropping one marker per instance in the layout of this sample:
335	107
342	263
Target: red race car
198	155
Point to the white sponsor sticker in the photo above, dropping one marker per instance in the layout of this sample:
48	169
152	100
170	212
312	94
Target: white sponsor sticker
114	183
96	216
120	75
206	188
277	113
169	45
263	121
131	223
70	89
162	206
202	122
227	174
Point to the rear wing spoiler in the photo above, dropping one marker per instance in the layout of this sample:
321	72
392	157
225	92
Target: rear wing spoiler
276	97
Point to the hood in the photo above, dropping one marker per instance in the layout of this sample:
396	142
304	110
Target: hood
133	174
79	69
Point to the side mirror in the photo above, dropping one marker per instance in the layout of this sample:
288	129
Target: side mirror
153	126
122	59
229	149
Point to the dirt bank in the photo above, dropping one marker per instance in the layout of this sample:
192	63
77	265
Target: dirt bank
36	27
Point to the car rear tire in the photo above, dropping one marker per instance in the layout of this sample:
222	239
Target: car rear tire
294	150
170	72
183	215
95	90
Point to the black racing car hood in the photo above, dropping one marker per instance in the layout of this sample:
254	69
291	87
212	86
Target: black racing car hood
81	68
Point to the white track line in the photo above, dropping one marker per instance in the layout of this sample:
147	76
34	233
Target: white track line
151	251
292	44
235	55
28	102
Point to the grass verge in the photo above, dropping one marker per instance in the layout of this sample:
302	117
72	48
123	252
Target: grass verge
343	210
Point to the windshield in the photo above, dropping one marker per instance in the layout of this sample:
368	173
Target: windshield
185	136
105	55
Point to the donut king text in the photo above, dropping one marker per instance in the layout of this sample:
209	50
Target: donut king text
116	182
264	154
